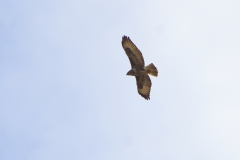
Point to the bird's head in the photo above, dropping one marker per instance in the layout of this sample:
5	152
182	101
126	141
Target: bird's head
131	73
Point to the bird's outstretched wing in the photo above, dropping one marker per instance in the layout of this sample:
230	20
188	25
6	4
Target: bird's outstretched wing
144	86
133	53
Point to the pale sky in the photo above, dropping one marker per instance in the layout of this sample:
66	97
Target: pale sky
65	93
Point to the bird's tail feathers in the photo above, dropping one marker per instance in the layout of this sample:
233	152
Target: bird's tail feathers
152	70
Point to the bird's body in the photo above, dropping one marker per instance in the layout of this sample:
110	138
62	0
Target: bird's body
139	70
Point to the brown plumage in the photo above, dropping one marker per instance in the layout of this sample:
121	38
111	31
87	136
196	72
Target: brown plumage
139	70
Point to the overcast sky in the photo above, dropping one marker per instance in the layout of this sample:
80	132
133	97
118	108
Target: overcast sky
64	93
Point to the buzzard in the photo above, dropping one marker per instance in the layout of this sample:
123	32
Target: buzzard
139	70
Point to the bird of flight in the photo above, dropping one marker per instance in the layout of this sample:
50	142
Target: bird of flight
139	70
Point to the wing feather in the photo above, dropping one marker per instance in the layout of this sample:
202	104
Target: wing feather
133	53
144	86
